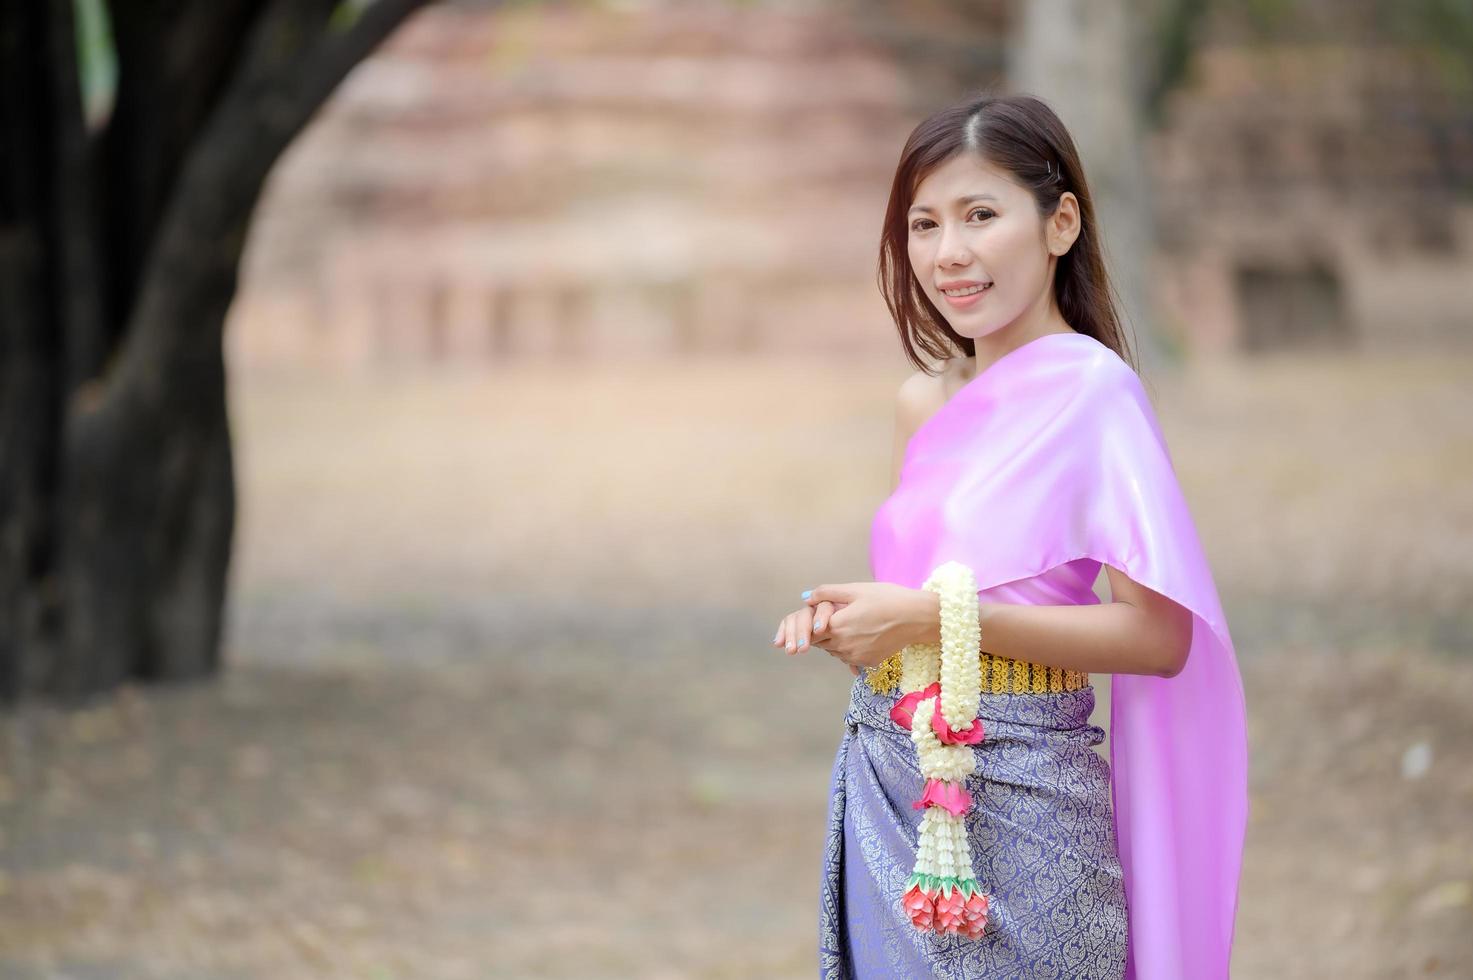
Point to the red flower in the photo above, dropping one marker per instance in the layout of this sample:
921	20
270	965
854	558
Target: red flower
944	794
920	906
905	708
974	915
947	735
957	913
951	911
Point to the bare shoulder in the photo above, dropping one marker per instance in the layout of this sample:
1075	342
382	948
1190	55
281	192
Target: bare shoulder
919	396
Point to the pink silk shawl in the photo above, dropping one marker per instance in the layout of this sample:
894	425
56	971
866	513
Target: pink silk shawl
1050	455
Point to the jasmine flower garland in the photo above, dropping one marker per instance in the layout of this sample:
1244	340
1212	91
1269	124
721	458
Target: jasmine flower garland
941	691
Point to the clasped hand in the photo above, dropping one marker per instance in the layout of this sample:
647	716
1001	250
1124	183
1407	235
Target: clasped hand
860	624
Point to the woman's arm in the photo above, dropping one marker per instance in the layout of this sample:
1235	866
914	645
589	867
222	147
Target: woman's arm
1138	632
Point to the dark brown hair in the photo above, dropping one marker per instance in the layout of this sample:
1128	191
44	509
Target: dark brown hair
1021	135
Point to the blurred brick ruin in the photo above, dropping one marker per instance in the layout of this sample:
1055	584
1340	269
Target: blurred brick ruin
505	183
1315	196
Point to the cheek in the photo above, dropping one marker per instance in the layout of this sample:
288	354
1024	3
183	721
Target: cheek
1018	258
1011	246
919	257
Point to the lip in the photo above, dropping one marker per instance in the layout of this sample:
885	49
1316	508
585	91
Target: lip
962	302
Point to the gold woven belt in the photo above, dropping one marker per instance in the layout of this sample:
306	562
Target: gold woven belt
999	676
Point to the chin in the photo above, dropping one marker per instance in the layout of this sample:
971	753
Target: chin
973	332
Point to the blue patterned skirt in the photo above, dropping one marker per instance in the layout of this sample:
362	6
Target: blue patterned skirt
1042	840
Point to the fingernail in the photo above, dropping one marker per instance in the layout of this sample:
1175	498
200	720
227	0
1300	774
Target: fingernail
818	624
808	593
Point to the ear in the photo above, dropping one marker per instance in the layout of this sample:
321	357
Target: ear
1064	224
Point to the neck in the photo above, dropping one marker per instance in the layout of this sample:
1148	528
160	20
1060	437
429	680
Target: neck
1035	322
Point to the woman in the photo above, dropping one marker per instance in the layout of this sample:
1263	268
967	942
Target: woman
1033	458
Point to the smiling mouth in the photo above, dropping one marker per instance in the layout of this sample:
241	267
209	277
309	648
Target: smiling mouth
968	291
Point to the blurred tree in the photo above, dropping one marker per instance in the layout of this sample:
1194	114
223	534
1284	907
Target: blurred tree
131	157
1083	57
1442	29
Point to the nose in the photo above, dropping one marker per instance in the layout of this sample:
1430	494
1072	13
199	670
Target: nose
952	250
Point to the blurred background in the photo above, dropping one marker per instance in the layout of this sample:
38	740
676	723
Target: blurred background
416	419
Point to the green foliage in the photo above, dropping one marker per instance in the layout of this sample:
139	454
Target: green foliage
1442	28
345	14
1446	27
1173	44
97	60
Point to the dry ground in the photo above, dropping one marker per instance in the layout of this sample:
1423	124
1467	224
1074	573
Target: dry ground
500	701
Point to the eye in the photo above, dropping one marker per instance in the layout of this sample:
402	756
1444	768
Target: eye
916	225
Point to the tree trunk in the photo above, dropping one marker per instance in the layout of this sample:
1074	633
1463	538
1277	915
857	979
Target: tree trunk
118	259
1084	57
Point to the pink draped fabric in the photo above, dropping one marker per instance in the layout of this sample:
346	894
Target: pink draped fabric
1052	456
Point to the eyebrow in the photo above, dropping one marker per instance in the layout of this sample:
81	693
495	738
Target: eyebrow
960	200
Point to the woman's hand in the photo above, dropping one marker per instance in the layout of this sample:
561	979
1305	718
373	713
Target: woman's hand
868	623
809	623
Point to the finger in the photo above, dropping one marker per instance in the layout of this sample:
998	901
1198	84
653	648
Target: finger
828	593
804	620
777	640
854	670
790	632
821	614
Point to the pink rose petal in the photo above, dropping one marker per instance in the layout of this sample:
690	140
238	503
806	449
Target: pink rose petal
950	796
947	735
904	709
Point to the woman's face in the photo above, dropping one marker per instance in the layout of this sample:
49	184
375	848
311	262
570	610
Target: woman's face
969	225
